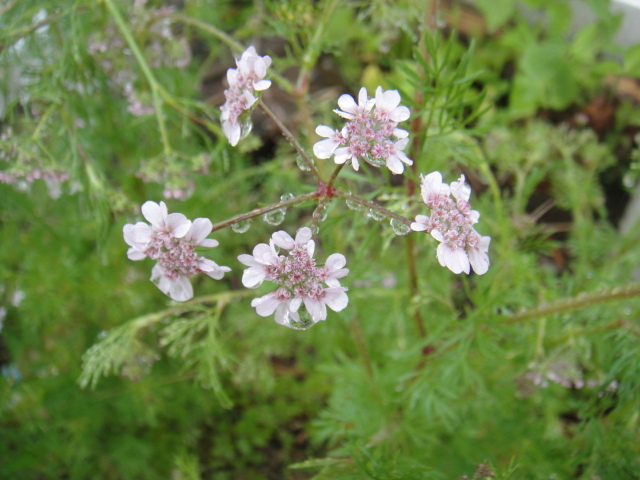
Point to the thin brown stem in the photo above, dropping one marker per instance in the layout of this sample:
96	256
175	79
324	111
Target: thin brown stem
292	140
256	212
375	206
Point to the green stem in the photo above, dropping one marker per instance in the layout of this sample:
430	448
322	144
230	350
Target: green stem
146	70
578	302
234	45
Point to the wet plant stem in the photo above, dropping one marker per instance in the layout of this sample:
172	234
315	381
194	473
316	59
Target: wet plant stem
292	140
261	211
375	206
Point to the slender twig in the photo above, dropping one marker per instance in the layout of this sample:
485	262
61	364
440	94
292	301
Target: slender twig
583	300
261	211
375	206
292	140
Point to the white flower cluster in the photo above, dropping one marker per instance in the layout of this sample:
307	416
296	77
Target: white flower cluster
300	300
244	82
171	240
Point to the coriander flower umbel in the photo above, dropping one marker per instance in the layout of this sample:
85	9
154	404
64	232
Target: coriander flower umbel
171	240
244	82
450	222
300	300
371	134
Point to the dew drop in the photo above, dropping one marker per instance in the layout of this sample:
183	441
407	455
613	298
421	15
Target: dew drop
300	320
286	196
376	162
355	205
302	163
274	217
376	215
399	228
246	128
241	227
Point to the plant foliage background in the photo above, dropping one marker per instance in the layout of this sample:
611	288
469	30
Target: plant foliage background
529	371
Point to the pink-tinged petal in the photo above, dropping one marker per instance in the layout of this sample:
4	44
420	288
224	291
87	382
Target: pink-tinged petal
295	303
400	133
261	85
435	233
325	148
311	246
316	308
265	305
343	154
218	273
264	254
479	261
138	235
206	265
135	254
401	144
418	227
432	184
460	190
455	260
232	131
394	164
336	298
400	114
324	131
200	228
260	67
303	235
348	106
232	76
248	260
209	243
154	213
283	240
252	277
422	219
181	289
335	261
177	224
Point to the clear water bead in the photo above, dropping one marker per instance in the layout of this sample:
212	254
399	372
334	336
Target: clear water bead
306	320
302	163
274	217
399	228
241	227
286	196
376	215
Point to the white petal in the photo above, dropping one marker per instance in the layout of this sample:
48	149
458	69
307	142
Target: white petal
324	148
181	289
303	235
252	277
261	85
479	261
316	308
460	189
347	104
134	254
418	227
324	131
177	224
265	305
200	228
336	298
138	235
394	164
335	261
232	131
154	213
342	154
400	114
455	260
283	240
209	243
